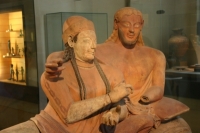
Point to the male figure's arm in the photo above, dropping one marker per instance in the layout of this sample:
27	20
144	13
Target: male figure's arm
156	91
53	65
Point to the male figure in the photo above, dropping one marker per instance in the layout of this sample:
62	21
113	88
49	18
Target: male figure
143	67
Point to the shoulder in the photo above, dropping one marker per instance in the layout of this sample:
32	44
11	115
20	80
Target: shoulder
152	52
155	56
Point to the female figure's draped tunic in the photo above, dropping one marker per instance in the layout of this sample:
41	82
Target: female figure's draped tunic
65	91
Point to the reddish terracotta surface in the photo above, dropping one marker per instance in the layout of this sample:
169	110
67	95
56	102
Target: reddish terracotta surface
122	56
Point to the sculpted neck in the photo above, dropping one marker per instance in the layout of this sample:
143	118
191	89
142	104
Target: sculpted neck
85	64
125	47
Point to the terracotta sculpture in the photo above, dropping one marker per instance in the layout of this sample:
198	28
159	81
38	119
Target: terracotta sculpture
143	67
84	91
78	86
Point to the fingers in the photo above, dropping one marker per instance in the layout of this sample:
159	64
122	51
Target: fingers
51	65
109	119
129	88
54	69
51	75
118	109
54	63
57	60
113	122
106	117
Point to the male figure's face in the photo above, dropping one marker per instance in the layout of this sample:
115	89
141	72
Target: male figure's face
129	29
85	46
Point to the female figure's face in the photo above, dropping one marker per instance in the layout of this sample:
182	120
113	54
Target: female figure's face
85	46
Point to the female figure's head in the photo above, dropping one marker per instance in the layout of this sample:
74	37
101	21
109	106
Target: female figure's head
79	38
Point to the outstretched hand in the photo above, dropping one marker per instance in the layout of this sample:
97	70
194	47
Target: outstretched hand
111	118
54	68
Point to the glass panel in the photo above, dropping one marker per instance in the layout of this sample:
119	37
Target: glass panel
173	27
12	53
54	22
152	34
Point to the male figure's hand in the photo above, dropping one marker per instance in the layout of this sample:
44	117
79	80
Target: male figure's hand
120	91
54	68
137	109
111	117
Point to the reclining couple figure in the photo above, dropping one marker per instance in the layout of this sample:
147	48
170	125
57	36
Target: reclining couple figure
116	86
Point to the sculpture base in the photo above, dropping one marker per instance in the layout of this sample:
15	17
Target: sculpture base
176	125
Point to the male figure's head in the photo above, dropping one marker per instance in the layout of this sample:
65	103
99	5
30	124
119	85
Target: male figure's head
79	35
128	23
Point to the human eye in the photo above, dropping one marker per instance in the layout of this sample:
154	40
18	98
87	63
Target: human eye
137	25
87	41
126	24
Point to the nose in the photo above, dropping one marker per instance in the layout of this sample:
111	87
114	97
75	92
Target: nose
93	46
131	29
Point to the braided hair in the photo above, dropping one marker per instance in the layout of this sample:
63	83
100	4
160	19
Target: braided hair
70	56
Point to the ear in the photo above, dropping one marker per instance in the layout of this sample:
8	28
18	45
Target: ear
115	24
70	42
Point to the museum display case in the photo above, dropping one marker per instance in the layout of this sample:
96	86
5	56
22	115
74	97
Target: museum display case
19	92
12	66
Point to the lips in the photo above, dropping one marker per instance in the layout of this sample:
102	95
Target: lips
92	53
131	35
